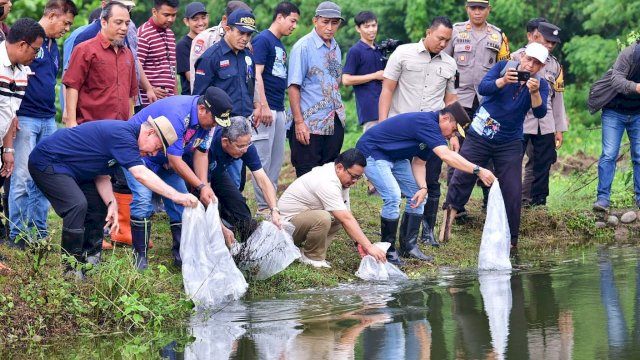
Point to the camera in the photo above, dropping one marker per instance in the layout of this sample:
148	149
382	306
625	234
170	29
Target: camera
523	75
386	47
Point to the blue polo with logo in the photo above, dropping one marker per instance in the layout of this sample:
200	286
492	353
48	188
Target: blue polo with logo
219	159
40	97
403	137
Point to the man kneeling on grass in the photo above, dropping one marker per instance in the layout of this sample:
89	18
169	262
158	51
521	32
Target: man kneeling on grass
72	168
317	203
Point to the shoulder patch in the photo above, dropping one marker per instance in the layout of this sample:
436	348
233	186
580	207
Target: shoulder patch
198	47
495	27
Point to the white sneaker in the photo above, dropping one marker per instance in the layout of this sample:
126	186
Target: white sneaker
315	263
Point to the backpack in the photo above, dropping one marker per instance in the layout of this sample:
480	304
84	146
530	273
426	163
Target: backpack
602	91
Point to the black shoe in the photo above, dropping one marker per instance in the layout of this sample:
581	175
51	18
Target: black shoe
429	221
409	237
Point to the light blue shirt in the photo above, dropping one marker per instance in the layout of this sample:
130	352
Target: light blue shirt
317	69
67	47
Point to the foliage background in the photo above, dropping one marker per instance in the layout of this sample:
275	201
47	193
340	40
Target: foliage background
590	29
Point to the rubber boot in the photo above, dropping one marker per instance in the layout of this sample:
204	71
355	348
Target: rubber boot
176	235
409	229
388	230
140	234
485	197
93	234
71	244
429	222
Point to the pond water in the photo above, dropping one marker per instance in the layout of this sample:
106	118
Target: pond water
586	308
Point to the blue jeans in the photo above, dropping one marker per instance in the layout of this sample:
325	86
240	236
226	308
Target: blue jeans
392	179
141	204
613	126
28	207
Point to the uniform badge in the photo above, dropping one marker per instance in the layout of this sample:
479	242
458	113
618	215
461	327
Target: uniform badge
247	60
467	47
224	63
198	46
422	146
461	58
494	37
200	72
463	35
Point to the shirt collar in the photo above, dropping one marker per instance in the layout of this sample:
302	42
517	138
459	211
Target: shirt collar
153	23
318	42
224	47
421	48
366	46
103	41
4	55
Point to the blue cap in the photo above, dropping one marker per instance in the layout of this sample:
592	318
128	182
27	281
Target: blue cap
243	20
194	9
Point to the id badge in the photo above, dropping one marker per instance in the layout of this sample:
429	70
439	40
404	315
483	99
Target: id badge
173	72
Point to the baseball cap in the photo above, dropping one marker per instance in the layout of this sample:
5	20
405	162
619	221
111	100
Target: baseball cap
549	32
129	3
329	10
243	20
165	131
460	114
194	9
481	3
235	5
219	103
537	51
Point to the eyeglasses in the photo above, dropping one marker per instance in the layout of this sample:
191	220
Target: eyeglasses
242	147
353	177
35	50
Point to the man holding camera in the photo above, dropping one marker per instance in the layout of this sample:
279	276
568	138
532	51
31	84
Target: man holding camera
496	132
542	137
421	77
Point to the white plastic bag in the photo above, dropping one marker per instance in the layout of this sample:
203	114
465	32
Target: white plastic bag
268	250
496	237
211	278
372	270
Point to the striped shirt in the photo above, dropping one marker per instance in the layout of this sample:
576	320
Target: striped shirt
13	83
157	54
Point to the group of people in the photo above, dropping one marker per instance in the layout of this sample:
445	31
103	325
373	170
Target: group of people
457	96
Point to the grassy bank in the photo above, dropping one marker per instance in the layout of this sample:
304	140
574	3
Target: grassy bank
38	304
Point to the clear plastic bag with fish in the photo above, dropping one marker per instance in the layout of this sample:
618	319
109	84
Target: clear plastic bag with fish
211	278
496	236
372	270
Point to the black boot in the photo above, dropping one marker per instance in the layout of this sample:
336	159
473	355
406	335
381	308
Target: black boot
140	234
388	230
176	235
409	237
93	235
429	221
72	242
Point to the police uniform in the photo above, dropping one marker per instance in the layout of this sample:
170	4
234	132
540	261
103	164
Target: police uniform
200	44
541	134
475	53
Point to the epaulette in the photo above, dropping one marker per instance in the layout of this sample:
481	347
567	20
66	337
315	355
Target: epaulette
495	28
460	24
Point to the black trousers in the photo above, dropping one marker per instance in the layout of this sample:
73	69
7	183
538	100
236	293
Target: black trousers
507	160
544	155
78	204
434	168
232	205
322	149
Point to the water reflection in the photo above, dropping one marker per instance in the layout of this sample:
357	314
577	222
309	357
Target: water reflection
558	313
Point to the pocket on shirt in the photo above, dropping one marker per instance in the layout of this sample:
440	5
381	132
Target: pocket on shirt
227	73
102	74
415	68
490	56
462	53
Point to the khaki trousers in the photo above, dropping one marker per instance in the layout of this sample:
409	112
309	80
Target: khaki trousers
315	230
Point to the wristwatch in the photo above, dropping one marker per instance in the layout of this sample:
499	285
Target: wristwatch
8	150
476	170
197	189
275	209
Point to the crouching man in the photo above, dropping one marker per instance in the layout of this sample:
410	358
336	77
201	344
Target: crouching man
397	151
317	203
72	168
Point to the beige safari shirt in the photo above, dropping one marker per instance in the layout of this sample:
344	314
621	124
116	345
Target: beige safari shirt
422	80
475	52
200	44
556	118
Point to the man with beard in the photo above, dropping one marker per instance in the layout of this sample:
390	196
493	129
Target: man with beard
101	79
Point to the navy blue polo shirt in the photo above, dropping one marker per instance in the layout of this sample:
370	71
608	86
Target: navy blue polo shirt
219	159
89	33
92	149
403	137
234	73
269	51
183	49
362	59
182	112
40	97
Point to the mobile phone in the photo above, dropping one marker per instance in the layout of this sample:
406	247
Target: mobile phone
523	75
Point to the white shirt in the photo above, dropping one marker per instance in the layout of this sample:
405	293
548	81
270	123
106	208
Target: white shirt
13	83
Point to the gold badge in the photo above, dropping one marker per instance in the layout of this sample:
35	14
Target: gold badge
461	58
494	37
463	35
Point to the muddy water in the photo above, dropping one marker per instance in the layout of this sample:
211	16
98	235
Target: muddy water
585	308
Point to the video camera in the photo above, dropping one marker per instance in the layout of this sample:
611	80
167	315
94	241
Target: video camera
386	47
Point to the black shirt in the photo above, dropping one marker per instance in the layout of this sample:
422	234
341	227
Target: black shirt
183	48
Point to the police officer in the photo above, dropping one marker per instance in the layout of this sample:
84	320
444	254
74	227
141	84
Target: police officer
542	137
476	46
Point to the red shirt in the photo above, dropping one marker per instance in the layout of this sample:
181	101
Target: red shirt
105	80
157	55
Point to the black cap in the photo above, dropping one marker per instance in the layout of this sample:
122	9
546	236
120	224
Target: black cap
549	32
219	103
243	20
460	114
194	9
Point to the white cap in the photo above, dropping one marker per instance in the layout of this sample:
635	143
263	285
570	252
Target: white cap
537	51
